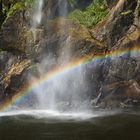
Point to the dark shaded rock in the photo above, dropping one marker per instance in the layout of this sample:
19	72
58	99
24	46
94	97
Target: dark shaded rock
119	30
122	69
119	94
16	82
10	30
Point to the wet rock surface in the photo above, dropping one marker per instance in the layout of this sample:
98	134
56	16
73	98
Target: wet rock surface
11	66
120	30
120	19
111	82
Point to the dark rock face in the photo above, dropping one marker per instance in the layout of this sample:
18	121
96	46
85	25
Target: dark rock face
116	26
120	31
16	35
10	31
122	69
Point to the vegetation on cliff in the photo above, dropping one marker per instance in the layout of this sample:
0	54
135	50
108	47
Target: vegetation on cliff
88	17
91	15
8	7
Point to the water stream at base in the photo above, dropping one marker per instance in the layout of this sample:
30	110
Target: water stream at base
31	125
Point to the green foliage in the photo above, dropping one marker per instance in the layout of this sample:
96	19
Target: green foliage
91	15
17	6
7	8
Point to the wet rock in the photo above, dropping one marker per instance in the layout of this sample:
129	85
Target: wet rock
11	66
16	35
66	35
16	82
119	30
121	69
118	22
10	30
119	94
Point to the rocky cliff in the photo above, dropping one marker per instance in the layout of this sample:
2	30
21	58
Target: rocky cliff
116	81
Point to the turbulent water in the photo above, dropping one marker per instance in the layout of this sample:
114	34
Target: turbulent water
42	125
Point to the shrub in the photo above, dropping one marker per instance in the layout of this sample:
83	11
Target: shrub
91	15
16	6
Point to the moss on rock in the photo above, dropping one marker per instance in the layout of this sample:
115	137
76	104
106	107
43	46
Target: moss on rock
91	15
17	6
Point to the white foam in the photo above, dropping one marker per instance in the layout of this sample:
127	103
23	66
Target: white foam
50	114
54	114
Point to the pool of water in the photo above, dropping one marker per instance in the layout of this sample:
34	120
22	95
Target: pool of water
52	125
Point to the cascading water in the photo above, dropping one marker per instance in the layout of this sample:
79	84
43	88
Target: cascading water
66	92
36	17
63	7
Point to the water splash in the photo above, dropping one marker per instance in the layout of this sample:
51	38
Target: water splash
63	93
52	115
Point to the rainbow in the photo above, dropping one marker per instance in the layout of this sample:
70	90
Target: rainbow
25	91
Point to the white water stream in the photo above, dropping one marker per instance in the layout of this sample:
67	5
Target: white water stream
37	16
66	92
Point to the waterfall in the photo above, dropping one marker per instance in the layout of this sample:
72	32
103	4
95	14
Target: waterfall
63	7
65	92
36	17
